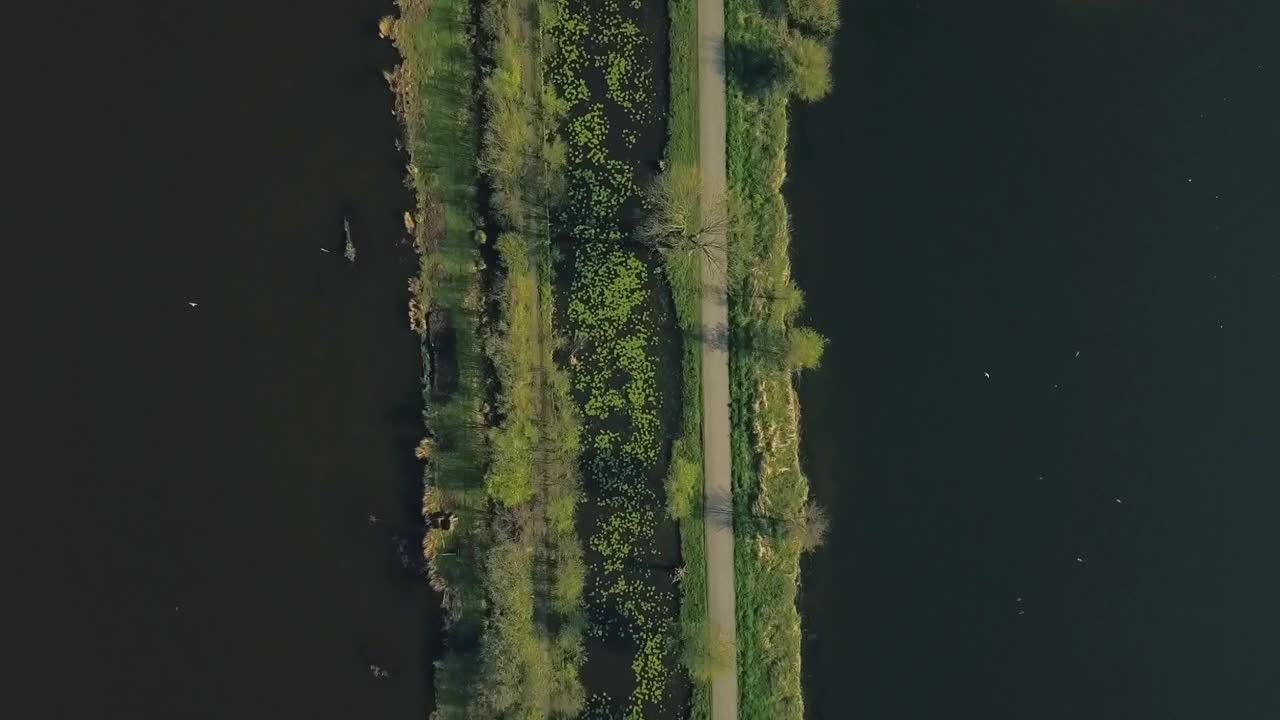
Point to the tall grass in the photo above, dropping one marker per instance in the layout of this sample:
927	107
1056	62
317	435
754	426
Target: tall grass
510	566
433	87
764	413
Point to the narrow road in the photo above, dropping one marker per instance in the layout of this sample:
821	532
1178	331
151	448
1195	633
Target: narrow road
715	358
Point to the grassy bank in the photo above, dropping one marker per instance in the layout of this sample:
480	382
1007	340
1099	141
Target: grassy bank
502	435
685	476
771	56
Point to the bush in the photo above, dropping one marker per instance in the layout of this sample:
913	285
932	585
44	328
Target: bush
566	588
820	16
808	66
567	655
804	348
683	486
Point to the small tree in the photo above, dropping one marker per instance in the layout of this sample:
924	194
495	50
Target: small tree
804	348
808	66
809	528
785	300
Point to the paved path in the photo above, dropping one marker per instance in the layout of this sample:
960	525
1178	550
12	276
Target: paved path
715	358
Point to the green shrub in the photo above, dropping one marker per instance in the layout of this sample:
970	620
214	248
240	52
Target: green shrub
808	66
567	585
567	655
804	348
684	485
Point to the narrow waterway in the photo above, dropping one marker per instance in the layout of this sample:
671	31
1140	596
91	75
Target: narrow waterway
1078	199
189	489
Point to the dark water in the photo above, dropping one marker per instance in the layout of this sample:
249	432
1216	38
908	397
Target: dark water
187	490
995	187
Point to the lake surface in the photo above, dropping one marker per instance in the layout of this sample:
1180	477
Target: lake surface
188	489
1078	198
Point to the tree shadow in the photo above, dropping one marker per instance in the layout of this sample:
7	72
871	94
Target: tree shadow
752	68
718	509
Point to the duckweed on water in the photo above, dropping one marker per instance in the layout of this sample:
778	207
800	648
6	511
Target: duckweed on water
603	70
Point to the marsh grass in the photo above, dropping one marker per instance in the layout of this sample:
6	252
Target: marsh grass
433	88
501	447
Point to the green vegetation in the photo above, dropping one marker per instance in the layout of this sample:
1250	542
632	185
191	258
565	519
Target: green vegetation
433	90
682	117
774	519
700	651
502	448
804	349
808	64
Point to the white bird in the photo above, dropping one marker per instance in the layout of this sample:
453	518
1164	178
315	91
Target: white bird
1079	560
1077	353
1119	501
986	374
192	304
324	250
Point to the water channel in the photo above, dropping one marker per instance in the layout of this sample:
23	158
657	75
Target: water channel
1078	199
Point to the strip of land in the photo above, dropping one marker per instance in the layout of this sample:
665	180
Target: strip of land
501	436
548	213
717	487
772	57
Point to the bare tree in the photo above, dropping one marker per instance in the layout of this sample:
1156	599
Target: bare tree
680	219
809	528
